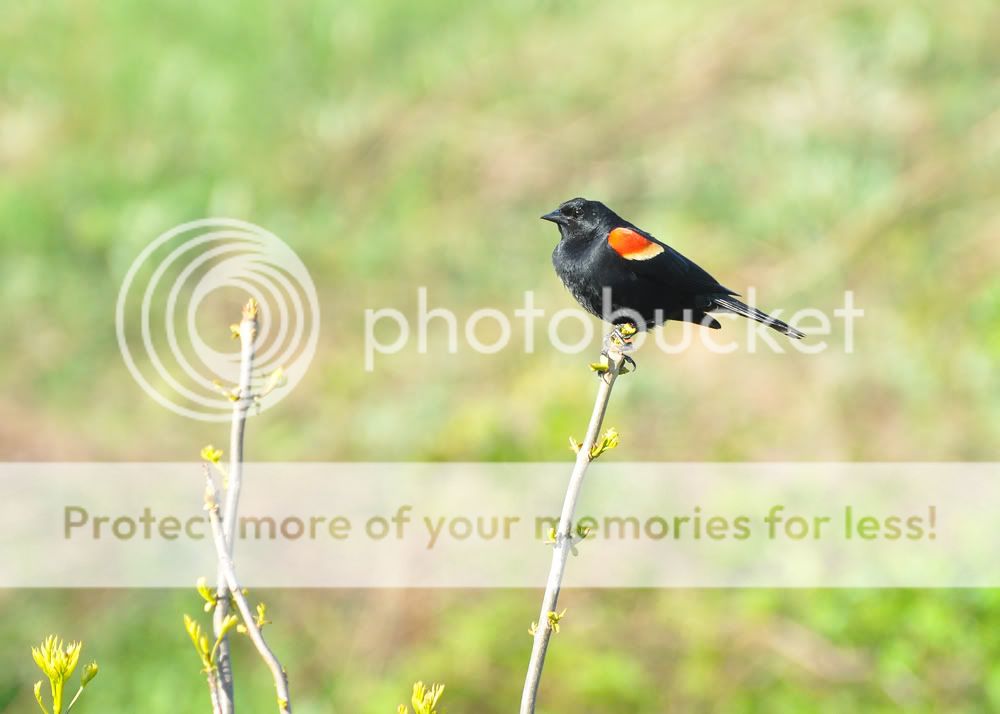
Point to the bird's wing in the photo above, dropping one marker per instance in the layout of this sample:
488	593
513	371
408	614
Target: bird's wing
649	258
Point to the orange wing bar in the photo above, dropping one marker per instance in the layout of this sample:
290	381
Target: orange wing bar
633	245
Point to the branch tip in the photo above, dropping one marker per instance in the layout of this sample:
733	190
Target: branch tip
251	311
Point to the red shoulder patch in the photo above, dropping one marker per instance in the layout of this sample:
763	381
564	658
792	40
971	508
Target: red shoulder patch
633	245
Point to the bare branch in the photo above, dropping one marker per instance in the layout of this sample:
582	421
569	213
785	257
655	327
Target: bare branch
229	573
247	332
548	617
213	690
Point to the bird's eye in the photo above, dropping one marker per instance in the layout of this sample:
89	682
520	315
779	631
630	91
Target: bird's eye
574	211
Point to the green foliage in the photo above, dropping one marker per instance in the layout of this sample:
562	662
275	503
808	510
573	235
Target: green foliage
58	661
424	699
201	643
605	442
205	647
552	621
644	650
207	594
260	618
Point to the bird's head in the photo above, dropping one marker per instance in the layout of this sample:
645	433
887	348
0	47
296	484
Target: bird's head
583	219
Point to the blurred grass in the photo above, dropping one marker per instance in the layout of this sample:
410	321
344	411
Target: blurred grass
642	651
801	147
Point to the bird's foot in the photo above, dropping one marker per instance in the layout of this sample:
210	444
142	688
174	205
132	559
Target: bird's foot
619	342
620	338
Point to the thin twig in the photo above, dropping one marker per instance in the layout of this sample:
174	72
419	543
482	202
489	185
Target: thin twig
213	690
229	573
241	405
564	534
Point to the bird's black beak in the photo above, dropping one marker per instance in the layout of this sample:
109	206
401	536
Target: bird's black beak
555	217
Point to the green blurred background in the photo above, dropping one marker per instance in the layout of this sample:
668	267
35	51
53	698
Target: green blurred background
804	148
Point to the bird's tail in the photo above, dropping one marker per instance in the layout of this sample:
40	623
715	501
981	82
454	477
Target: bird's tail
731	304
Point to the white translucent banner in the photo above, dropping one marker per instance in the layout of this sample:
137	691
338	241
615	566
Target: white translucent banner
486	525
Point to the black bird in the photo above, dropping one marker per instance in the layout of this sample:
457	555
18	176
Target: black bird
602	251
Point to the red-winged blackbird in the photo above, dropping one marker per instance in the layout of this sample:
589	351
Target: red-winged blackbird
602	252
